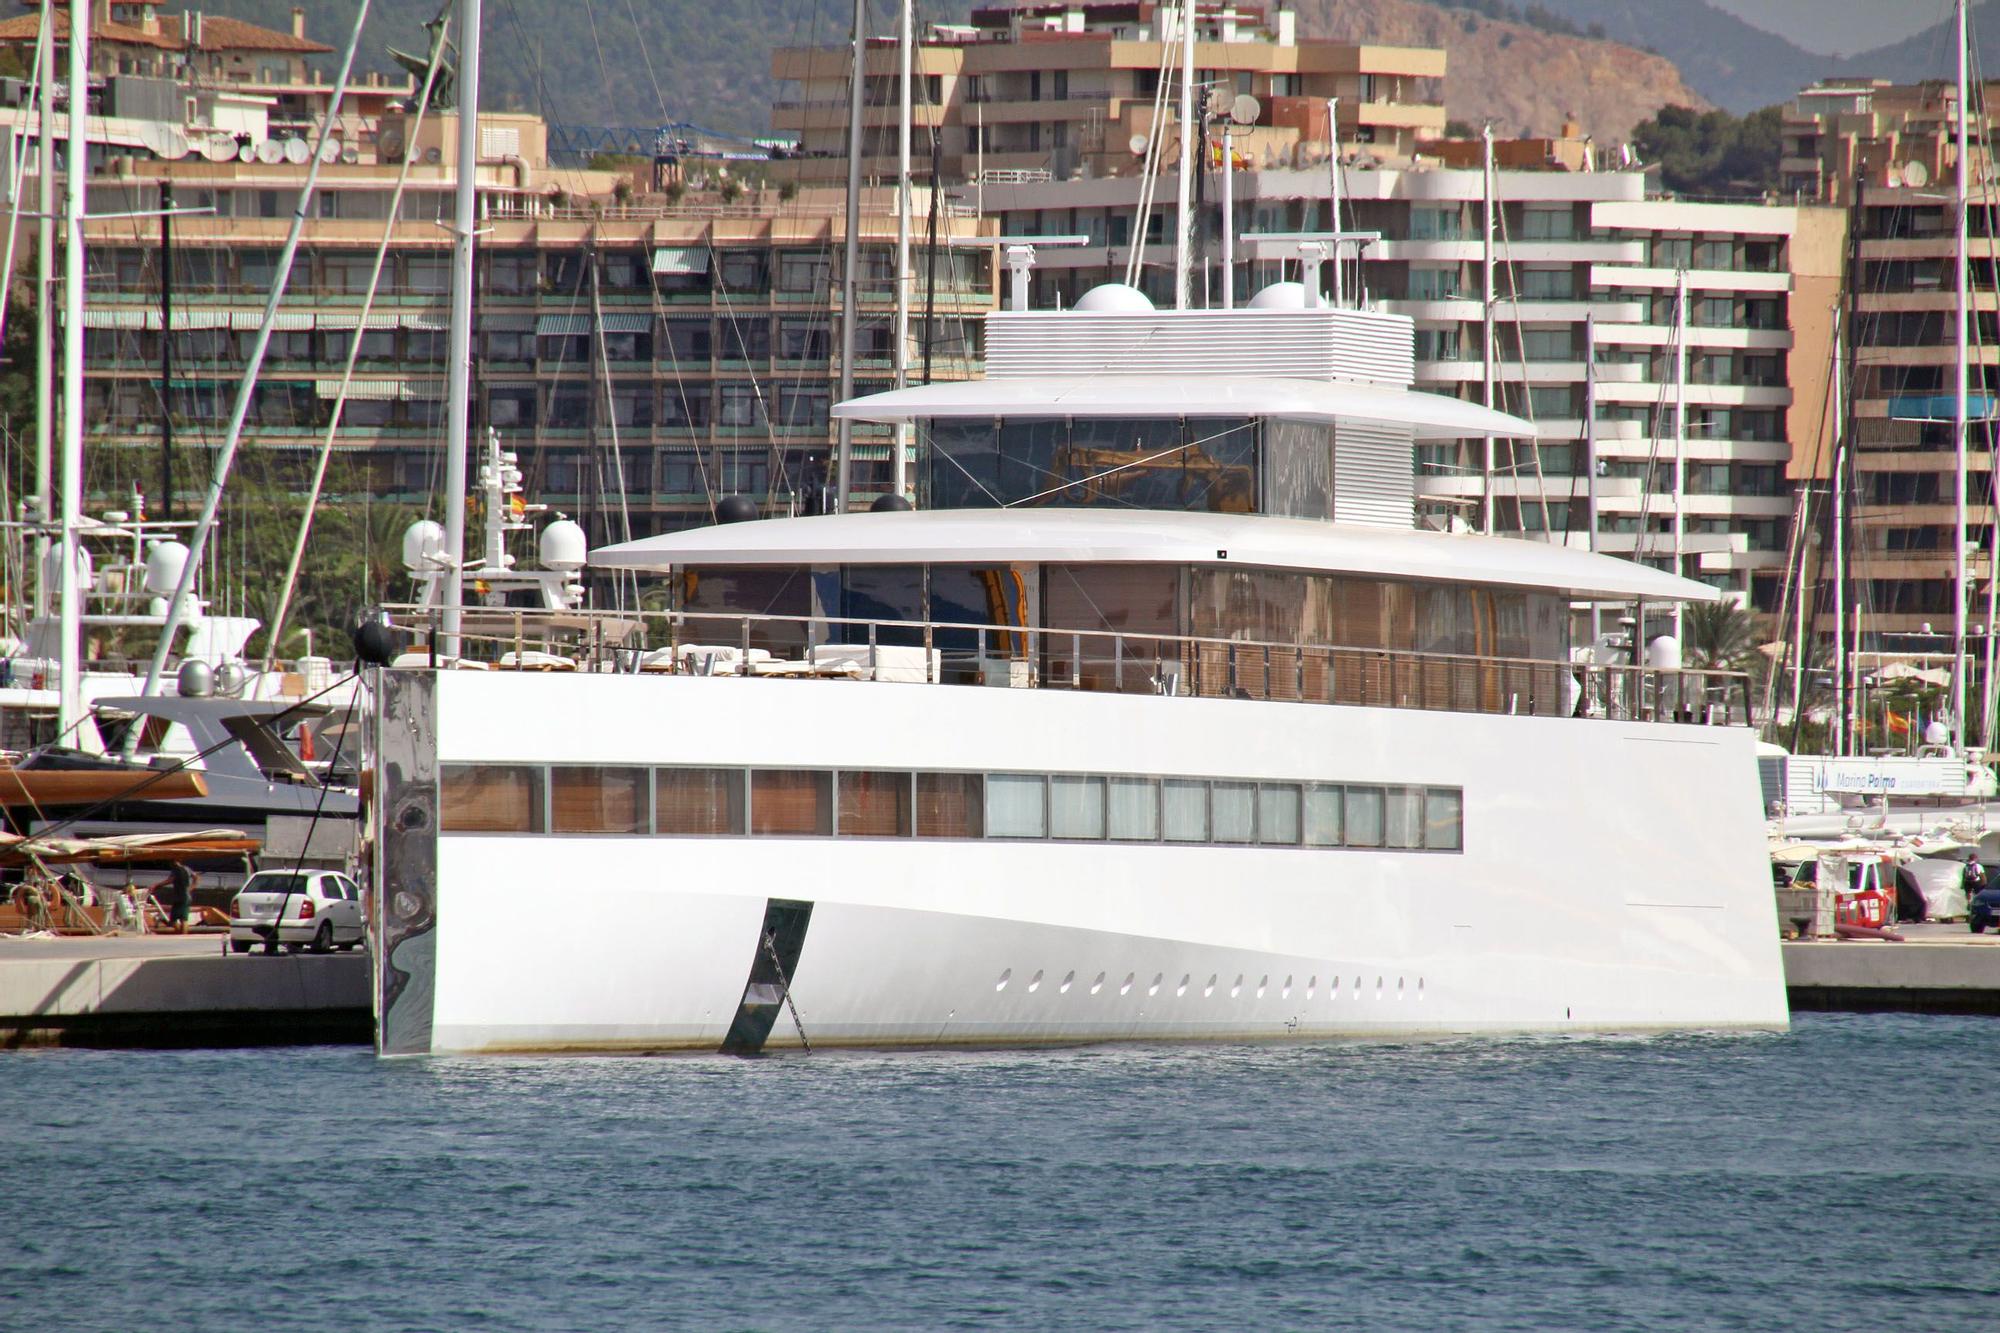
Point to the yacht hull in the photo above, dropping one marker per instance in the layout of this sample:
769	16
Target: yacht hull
1613	877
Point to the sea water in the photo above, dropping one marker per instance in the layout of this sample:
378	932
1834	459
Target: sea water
1844	1176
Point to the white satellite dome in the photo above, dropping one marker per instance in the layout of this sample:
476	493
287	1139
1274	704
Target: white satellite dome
1114	298
562	545
1936	733
1280	296
1664	653
423	542
165	562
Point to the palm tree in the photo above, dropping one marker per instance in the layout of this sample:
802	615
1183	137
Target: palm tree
1720	636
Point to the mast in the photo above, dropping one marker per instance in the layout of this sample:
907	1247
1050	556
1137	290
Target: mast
906	38
1228	216
850	260
1839	547
1680	433
1333	193
1488	190
69	709
45	331
1963	375
458	368
1590	453
1189	131
167	347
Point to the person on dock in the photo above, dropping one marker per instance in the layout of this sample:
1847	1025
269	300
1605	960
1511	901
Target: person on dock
179	897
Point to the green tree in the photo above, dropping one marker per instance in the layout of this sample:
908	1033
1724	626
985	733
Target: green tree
1721	636
1711	152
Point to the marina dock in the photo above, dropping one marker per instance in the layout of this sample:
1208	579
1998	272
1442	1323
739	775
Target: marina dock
176	991
1939	968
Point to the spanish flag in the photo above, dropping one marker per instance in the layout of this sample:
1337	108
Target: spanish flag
1897	723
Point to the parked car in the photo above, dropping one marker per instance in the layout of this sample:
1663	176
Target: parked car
320	910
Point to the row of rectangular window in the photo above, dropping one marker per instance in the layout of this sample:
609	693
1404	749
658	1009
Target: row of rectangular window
720	802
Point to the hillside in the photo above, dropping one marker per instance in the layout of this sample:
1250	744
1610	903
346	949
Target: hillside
1735	65
1832	27
1928	54
711	61
1525	78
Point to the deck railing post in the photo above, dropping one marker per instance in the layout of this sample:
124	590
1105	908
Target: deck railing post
929	641
871	650
743	666
1076	661
1118	663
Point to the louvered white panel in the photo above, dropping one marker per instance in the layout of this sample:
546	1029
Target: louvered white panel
1372	475
1302	344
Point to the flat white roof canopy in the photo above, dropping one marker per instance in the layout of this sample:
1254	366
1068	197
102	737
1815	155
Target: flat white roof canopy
1130	536
1432	416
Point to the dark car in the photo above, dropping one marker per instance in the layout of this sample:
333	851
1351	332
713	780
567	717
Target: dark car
1983	910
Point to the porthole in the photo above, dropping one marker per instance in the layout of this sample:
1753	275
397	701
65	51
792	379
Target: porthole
1154	989
1263	984
1420	989
1399	988
1130	977
1069	979
1312	984
1035	982
1098	984
1005	977
1286	993
1209	989
1182	988
1236	989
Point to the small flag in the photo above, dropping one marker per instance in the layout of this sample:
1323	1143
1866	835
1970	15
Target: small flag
1898	723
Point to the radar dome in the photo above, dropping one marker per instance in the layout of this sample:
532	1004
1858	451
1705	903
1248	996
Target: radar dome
1115	298
165	562
562	545
1280	296
194	679
735	509
892	503
1664	653
1937	733
423	543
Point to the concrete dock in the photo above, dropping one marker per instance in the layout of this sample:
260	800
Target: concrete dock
176	991
1938	969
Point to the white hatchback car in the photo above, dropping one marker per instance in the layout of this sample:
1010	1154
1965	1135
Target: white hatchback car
321	910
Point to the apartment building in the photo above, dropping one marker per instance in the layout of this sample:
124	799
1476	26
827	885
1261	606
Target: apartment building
1068	89
643	356
1574	249
1888	153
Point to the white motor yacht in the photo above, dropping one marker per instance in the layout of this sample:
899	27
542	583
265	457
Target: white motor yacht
1155	719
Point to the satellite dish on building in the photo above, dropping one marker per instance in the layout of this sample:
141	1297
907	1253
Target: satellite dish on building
246	152
270	152
433	156
329	150
350	155
1916	175
1137	143
219	150
297	153
1245	109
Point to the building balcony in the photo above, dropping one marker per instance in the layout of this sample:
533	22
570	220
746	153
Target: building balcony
1472	251
1699	279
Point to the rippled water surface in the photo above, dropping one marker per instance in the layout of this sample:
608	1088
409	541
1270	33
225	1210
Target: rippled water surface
1844	1177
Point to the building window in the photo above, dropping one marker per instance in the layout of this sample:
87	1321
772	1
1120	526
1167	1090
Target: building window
1076	807
950	805
698	801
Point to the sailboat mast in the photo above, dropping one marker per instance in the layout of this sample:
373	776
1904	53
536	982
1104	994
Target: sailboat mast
1963	375
69	708
1680	434
1486	339
1590	455
45	332
1836	418
905	40
458	409
1189	131
850	260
